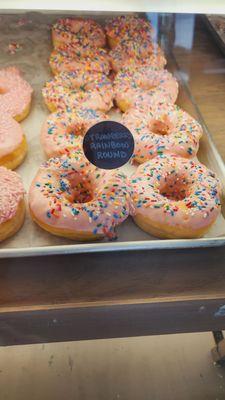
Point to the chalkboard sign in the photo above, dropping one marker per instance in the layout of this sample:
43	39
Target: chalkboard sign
108	145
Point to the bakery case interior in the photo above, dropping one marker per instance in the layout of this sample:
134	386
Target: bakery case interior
159	75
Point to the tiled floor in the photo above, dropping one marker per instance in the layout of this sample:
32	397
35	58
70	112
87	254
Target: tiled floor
172	367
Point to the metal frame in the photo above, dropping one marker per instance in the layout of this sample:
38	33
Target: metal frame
192	6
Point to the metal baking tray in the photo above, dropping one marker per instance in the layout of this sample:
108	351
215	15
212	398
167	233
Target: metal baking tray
32	34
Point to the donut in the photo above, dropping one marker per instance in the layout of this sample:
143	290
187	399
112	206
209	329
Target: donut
127	27
78	89
136	54
162	128
64	131
15	93
78	32
13	144
12	206
72	198
174	197
144	85
69	59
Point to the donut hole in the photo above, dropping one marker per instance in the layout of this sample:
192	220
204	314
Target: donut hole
175	188
73	83
77	189
76	130
146	85
2	90
75	26
82	194
161	126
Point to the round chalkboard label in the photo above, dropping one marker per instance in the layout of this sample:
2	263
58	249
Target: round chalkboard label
108	145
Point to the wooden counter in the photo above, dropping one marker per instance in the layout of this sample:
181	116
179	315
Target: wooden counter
204	66
125	294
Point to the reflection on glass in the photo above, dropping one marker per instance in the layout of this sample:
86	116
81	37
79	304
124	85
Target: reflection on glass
184	30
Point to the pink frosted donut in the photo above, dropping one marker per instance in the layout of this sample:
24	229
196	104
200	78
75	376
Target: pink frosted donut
175	198
15	93
78	89
162	128
12	207
137	54
144	85
68	59
128	27
13	145
70	197
64	131
78	32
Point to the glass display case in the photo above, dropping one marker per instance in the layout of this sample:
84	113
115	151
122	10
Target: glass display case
185	42
136	284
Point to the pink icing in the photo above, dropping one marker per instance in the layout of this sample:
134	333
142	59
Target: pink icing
129	27
70	193
79	32
133	53
162	128
15	92
194	192
145	85
79	89
63	131
11	135
69	59
11	193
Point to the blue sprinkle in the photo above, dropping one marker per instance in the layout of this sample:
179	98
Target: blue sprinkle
63	186
75	211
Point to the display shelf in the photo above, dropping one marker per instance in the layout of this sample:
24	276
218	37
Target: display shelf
75	297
